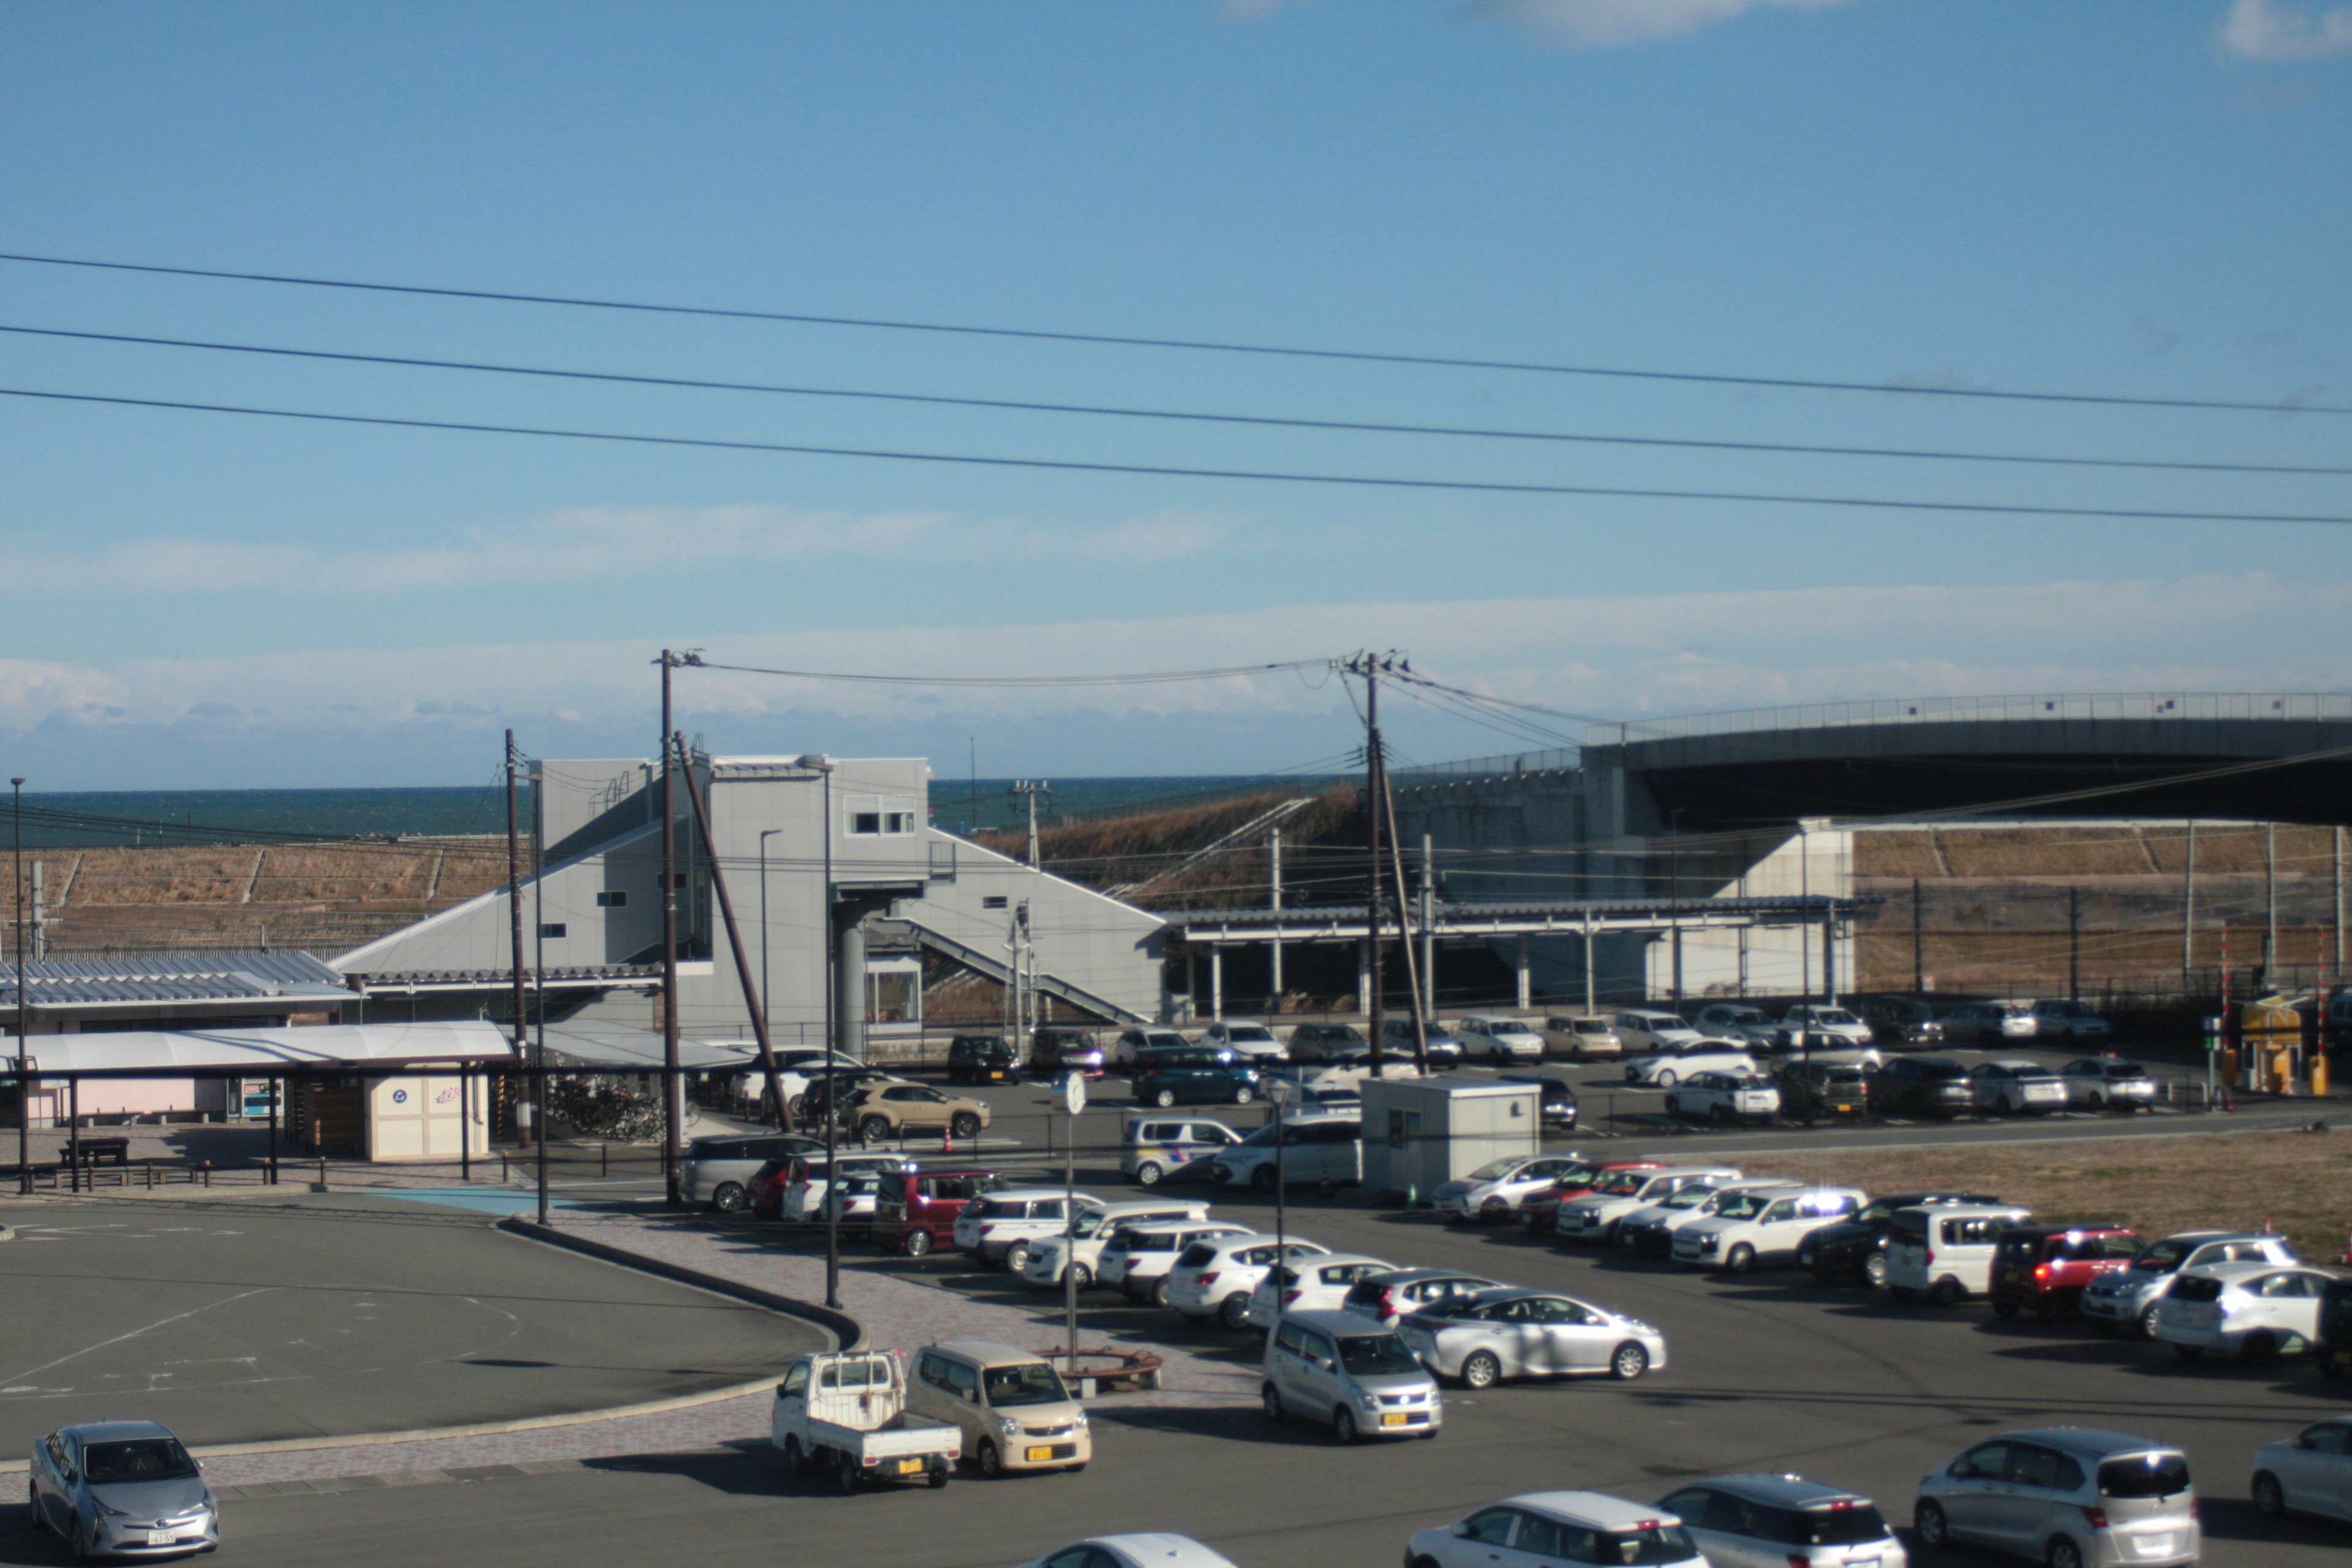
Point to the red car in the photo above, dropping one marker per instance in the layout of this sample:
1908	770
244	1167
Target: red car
916	1206
2044	1268
1541	1209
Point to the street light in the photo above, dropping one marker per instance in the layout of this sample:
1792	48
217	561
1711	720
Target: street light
821	765
24	1035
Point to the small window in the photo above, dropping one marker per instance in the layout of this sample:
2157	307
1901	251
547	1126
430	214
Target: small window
554	930
993	901
616	900
677	879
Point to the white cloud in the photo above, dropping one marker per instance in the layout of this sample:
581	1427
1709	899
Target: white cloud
1611	23
2270	30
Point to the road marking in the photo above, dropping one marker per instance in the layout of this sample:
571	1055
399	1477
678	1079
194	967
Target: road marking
160	1322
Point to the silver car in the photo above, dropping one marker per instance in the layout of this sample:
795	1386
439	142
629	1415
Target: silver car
1769	1521
1350	1372
123	1488
2071	1497
2310	1472
718	1172
2128	1296
1478	1339
1496	1190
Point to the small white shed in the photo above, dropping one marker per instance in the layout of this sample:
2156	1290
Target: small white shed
1420	1132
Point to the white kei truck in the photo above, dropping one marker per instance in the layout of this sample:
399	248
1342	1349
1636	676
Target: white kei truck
845	1412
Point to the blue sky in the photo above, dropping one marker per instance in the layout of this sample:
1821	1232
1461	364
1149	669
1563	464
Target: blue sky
2147	198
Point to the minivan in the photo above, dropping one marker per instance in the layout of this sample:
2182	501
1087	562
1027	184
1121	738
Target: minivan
1349	1371
1154	1148
2065	1496
1011	1406
982	1058
917	1204
719	1171
1314	1149
999	1228
1195	1075
1946	1252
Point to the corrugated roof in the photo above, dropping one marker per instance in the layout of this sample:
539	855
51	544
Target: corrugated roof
160	979
321	1045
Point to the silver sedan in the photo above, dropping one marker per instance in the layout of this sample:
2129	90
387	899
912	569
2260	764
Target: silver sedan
1511	1332
121	1489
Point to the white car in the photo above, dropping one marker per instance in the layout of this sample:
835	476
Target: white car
1738	1021
1642	1030
2126	1297
1001	1227
2069	1020
1752	1522
1581	1036
1132	1044
1594	1216
1214	1279
2251	1311
1723	1098
808	1180
1137	1258
1499	1040
1946	1252
1557	1527
1309	1285
2310	1472
2018	1088
1991	1021
1652	1229
1495	1191
2109	1083
1387	1298
1478	1339
1093	1228
1831	1027
1315	1148
1668	1066
1760	1228
1147	1550
1250	1039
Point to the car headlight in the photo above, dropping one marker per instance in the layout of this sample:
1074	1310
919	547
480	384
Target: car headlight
1369	1401
1081	1422
1008	1426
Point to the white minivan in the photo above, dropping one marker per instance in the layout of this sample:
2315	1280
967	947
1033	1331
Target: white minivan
1000	1228
1314	1149
1946	1253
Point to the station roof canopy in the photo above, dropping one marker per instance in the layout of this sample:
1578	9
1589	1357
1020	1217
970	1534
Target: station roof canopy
174	981
318	1048
1565	917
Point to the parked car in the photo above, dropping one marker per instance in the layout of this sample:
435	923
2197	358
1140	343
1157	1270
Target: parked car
1724	1098
1386	1297
1651	1228
1057	1048
1315	1148
2063	1020
2127	1296
1582	1035
1921	1086
2310	1472
2065	1496
2109	1083
1091	1231
1134	1044
2335	1326
1214	1279
1444	1047
1558	1527
120	1489
1555	1100
982	1058
1539	1210
1765	1226
799	1184
882	1111
1010	1407
1149	1550
1763	1521
999	1228
1250	1039
1496	1189
1137	1259
1668	1066
1812	1092
1479	1340
1855	1249
822	1093
1908	1022
1499	1040
1946	1251
1309	1285
845	1413
2250	1310
1738	1021
797	1066
1593	1217
1153	1149
1335	1367
717	1171
1193	1075
1312	1042
919	1203
1993	1021
850	1202
1645	1030
2018	1087
2044	1268
1810	1024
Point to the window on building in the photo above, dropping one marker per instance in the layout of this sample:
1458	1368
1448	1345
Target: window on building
613	901
554	930
993	901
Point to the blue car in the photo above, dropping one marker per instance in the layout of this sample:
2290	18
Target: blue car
121	1489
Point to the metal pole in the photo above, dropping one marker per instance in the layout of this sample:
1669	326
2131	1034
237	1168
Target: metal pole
465	1125
1281	1216
2188	908
1370	668
276	1087
1918	943
514	937
2073	944
1805	927
2270	897
2339	903
832	1049
767	991
1413	979
1587	963
538	966
1070	1231
1428	902
73	1130
752	1001
669	944
24	1014
1274	901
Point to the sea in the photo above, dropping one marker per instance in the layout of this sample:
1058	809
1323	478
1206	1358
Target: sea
91	819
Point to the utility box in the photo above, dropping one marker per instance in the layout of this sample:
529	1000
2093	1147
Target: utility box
1421	1131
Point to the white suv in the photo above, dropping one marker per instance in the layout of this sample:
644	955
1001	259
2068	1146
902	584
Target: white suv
1214	1279
1762	1227
1594	1216
2252	1311
1314	1149
1499	1040
2128	1296
1641	1029
1094	1230
1309	1285
1250	1039
1001	1227
1137	1258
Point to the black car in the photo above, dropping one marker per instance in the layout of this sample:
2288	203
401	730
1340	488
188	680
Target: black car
1922	1086
1855	1246
1315	1042
1204	1075
1907	1021
2335	1326
982	1059
1812	1091
1556	1104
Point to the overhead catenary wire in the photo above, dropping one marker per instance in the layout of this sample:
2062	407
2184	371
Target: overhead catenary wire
1167	471
695	661
1203	345
1198	417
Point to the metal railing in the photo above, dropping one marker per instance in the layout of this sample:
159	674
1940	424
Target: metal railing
2283	707
1507	765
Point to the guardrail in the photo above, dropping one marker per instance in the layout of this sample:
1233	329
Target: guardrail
2168	707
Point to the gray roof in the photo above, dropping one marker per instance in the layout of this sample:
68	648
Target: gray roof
165	979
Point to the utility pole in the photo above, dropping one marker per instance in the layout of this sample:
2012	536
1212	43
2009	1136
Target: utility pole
2073	944
514	933
668	662
1370	667
2339	903
23	1012
41	912
1918	944
1274	902
2270	897
2188	908
1428	918
1030	789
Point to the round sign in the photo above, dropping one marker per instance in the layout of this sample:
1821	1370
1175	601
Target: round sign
400	1097
1074	1092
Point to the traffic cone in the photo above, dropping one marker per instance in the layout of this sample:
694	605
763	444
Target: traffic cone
947	1142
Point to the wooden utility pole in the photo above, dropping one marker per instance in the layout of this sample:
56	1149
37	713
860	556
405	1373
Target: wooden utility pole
1370	665
514	927
669	661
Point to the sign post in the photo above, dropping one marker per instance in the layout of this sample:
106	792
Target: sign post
1074	1101
1281	1092
2212	1054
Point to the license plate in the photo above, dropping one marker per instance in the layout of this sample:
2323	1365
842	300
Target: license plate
159	1538
908	1467
2012	1275
2152	1545
1393	1419
1040	1453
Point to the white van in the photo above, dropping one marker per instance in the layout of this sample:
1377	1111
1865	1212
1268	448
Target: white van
1314	1149
1946	1253
1641	1029
1001	1227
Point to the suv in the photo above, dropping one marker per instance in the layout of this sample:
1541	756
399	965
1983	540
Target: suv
2069	1020
1902	1020
1152	1148
1539	1210
1922	1086
2046	1267
1594	1216
1093	1231
1582	1036
1767	1520
1138	1257
1825	1029
719	1171
2130	1295
1215	1276
1055	1050
2100	1083
1737	1021
1240	1035
2018	1087
1314	1042
1855	1249
1198	1074
982	1058
885	1110
917	1205
2064	1495
1133	1045
1314	1149
1946	1252
1811	1091
997	1229
1499	1040
1991	1021
2251	1311
1763	1226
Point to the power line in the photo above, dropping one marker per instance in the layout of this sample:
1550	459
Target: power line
696	661
1497	487
1116	411
1194	344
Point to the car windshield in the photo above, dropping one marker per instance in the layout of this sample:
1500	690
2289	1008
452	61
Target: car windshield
1741	1205
139	1459
1834	1526
1372	1355
1495	1169
1033	1383
1658	1545
1621	1184
1688	1198
1256	1034
2144	1475
2163	1258
1833	1016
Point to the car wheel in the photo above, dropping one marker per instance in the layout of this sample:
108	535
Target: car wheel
2260	1346
2004	1308
989	1462
1164	1098
731	1199
1874	1269
1947	1291
1016	1258
1082	1275
1160	1292
1493	1211
1147	1174
917	1244
1244	1094
1630	1361
1720	1114
1262	1179
939	1477
1927	1524
1741	1259
1230	1310
1481	1370
2147	1321
798	1106
1668	1078
2269	1497
2063	1553
1271	1398
1343	1424
795	1457
964	1124
874	1129
2096	1104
